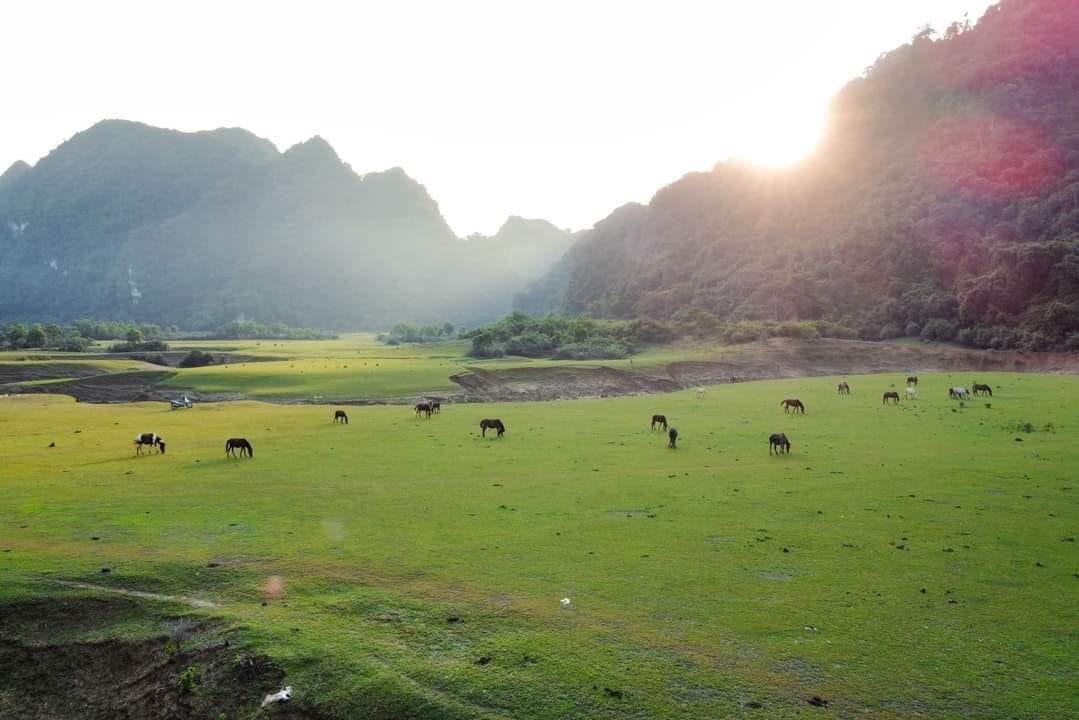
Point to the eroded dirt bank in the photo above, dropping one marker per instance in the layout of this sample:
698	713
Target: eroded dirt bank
170	677
776	358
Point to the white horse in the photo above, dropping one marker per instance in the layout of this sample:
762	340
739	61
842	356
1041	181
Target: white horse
700	393
150	439
958	393
912	393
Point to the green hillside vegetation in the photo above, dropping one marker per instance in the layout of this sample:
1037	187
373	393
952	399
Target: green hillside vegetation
942	202
902	561
137	223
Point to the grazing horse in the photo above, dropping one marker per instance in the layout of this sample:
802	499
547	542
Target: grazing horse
912	380
150	439
340	416
659	420
424	407
793	404
492	424
912	393
672	441
843	388
979	388
777	441
890	395
436	407
958	393
241	444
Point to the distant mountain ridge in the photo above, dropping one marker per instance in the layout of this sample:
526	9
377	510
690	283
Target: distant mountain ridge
125	220
943	201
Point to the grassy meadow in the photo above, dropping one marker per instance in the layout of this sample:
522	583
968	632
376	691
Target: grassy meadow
357	366
910	561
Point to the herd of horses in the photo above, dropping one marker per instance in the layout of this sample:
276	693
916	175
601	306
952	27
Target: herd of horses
777	442
954	393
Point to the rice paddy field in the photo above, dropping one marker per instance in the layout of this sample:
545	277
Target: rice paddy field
903	561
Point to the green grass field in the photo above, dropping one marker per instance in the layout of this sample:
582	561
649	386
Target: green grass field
357	366
911	561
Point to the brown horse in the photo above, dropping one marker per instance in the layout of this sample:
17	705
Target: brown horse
492	424
843	388
436	407
793	404
340	416
241	444
980	389
424	407
912	380
777	441
672	439
890	395
659	420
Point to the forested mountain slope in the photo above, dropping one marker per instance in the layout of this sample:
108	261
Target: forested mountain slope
128	221
942	201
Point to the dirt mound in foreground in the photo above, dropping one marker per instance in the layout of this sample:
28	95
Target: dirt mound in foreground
126	680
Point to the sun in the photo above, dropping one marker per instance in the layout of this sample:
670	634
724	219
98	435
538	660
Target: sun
779	136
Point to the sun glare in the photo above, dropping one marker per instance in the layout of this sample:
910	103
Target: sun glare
779	136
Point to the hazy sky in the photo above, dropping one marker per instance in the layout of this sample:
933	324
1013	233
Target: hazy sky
560	110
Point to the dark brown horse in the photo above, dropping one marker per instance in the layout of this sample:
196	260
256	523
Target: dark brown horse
890	395
980	389
777	441
340	416
843	388
659	420
912	380
241	444
492	424
424	407
436	407
672	439
793	404
151	439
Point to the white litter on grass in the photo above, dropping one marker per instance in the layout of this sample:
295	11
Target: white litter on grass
565	602
279	696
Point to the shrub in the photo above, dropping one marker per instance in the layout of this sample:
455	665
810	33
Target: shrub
74	344
890	332
913	329
189	679
197	358
939	329
597	349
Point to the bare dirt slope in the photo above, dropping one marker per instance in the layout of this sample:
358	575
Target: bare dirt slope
775	358
138	386
148	679
31	372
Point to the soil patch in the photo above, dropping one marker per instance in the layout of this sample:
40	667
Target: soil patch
32	372
558	383
138	386
151	679
771	359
